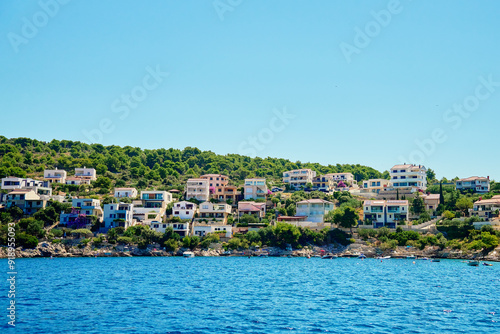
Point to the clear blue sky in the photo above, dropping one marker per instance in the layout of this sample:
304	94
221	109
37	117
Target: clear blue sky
231	67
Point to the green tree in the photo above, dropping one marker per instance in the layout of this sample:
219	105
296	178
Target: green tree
286	234
346	217
171	245
441	196
464	204
417	206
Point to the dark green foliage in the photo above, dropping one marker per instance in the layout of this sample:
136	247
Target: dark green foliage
160	167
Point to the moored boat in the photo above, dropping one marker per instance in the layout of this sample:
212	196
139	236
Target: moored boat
361	256
435	260
329	256
188	254
473	263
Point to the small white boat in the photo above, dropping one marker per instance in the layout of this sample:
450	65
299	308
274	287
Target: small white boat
362	256
435	260
188	254
383	257
411	257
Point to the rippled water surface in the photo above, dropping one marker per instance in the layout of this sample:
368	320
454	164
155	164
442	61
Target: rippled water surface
256	295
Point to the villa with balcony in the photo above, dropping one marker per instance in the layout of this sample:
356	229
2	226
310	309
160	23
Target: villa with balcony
184	210
375	186
55	175
202	229
25	199
385	213
314	209
346	178
475	183
255	188
116	215
12	182
85	173
487	208
214	212
198	189
82	209
323	183
76	181
298	178
125	192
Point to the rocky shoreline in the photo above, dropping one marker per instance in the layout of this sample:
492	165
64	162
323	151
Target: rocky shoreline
47	249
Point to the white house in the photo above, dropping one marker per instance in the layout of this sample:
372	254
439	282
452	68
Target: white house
181	228
120	214
12	182
255	188
202	229
125	192
475	183
86	173
77	180
198	189
314	209
409	176
299	178
55	175
184	210
385	213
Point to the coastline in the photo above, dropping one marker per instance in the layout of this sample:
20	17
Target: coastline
47	250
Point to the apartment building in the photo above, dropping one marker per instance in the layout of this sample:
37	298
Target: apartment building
323	183
255	188
81	210
298	178
116	215
385	213
409	176
198	189
210	211
220	189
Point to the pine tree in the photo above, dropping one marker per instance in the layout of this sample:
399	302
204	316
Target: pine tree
441	196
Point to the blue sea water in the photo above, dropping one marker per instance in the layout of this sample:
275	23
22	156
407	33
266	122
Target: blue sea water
252	295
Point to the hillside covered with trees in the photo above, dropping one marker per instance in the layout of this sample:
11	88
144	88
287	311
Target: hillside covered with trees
159	168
